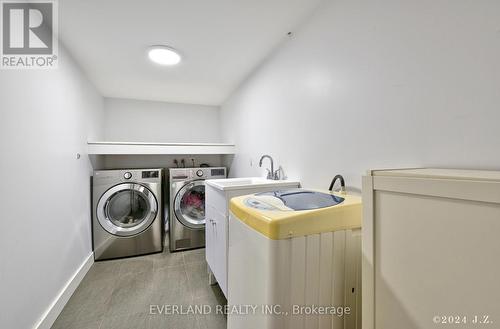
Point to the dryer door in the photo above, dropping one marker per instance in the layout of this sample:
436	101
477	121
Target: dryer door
127	209
189	204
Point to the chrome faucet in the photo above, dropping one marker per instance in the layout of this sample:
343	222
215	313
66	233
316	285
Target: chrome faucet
271	174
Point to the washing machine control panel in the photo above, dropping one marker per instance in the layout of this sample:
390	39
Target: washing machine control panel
127	175
199	173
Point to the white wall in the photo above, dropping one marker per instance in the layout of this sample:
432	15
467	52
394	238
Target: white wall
149	121
374	85
46	116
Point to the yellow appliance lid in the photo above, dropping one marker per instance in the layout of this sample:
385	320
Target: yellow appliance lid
297	212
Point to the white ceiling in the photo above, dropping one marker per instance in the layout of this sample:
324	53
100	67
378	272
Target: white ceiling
221	41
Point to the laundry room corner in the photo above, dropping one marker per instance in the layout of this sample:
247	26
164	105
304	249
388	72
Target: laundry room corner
222	164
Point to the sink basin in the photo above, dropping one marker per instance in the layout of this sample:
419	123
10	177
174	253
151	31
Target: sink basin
246	182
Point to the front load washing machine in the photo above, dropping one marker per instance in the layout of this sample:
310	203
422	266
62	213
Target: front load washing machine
127	213
187	205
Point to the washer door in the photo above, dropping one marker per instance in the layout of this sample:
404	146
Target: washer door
127	209
189	204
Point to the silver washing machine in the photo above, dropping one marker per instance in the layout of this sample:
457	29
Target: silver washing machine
127	212
187	205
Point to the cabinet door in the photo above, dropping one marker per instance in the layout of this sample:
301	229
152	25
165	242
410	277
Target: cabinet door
219	248
209	237
211	199
436	261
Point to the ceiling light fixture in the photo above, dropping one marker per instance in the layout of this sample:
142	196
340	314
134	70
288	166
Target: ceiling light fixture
164	55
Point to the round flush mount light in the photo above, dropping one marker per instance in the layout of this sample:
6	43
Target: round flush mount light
164	55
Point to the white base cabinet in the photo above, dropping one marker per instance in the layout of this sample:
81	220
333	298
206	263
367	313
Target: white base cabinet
431	247
217	216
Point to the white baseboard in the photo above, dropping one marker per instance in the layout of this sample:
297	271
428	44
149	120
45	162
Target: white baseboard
50	316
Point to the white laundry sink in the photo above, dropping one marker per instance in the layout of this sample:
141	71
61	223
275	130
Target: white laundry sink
249	182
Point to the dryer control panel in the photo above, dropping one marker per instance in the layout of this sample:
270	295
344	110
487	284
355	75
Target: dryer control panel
124	175
150	174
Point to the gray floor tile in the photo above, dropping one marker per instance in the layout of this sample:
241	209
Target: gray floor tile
89	286
214	297
170	285
76	324
131	295
167	295
131	321
87	305
64	320
171	276
194	256
178	321
216	319
167	259
94	304
103	270
197	274
211	321
136	265
119	294
71	309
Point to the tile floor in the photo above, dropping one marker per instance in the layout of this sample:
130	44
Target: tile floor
118	294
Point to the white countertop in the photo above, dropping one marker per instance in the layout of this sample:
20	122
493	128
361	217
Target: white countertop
440	173
248	182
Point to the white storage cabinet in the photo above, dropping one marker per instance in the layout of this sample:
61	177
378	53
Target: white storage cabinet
431	248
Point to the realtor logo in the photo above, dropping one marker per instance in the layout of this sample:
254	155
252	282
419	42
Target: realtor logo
28	35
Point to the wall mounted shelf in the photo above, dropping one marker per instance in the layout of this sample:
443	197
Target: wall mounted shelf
125	148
